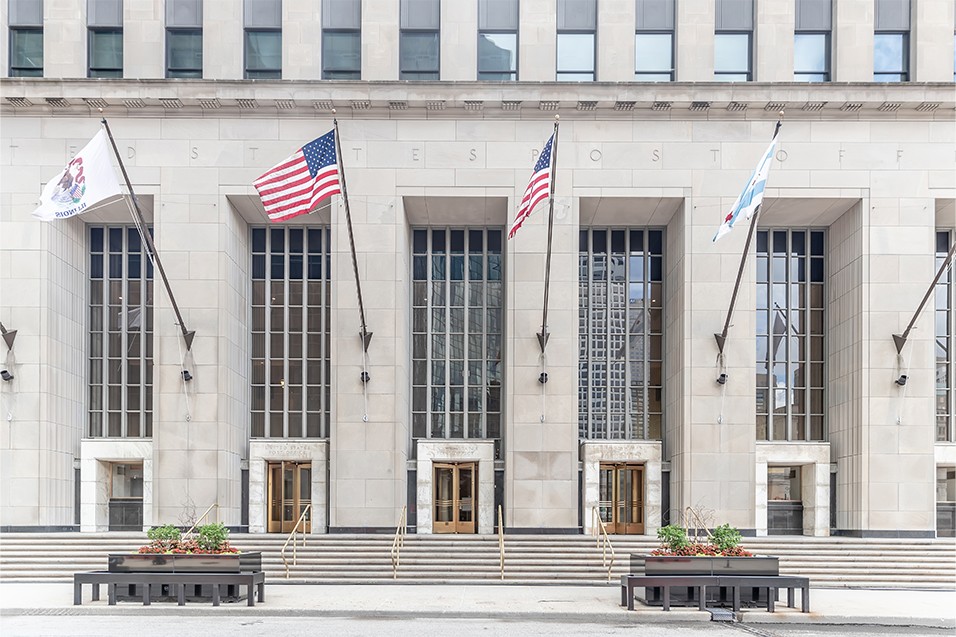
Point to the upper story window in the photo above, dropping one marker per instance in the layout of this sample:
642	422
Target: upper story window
620	334
263	39
498	40
26	38
791	268
811	41
733	41
654	41
457	329
945	337
105	20
184	38
291	368
891	41
419	42
121	334
341	39
577	27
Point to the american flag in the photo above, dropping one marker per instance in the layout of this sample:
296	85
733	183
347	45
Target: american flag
538	188
296	184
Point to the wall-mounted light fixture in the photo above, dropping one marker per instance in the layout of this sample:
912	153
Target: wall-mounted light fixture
722	379
187	376
6	375
901	380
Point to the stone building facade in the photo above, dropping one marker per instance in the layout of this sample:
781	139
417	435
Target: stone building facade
442	108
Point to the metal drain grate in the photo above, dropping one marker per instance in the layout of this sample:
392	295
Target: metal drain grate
721	615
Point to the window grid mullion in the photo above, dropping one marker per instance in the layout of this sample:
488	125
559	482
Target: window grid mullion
124	333
286	307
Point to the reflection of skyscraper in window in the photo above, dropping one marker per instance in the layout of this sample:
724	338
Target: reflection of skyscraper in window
619	390
492	56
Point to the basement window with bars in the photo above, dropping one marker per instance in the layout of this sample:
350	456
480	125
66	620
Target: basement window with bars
290	332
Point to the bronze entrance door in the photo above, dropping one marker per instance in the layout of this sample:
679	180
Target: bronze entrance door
456	498
622	497
290	491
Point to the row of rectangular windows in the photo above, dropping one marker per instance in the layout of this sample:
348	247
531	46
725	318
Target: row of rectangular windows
457	329
419	42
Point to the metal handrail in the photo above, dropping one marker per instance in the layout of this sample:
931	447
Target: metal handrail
291	538
689	511
501	541
608	564
214	505
400	532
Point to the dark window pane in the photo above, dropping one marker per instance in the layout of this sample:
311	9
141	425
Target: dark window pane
106	53
184	53
342	53
26	52
263	54
418	55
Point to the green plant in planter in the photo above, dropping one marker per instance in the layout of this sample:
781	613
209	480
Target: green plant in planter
212	537
673	537
725	538
164	538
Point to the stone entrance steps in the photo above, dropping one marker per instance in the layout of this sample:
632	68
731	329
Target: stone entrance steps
828	562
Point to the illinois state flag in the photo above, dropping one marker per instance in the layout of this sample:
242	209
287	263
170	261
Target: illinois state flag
88	179
297	184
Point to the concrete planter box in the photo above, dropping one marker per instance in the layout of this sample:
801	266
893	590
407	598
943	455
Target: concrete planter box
182	563
706	565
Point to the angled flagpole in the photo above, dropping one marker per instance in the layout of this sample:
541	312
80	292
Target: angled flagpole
140	222
544	335
900	339
365	334
722	337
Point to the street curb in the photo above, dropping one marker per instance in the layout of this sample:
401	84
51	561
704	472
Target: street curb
620	617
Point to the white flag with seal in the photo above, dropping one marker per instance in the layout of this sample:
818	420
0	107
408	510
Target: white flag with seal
88	179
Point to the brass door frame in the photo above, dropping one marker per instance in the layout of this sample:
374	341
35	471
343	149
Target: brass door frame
283	511
624	512
460	514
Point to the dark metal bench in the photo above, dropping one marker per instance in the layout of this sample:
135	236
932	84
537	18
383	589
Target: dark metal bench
178	581
735	582
700	582
773	583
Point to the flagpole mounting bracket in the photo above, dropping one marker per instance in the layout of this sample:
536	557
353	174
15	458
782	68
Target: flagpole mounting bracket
543	339
721	339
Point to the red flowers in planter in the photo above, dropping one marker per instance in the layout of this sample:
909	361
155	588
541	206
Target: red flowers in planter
700	549
167	539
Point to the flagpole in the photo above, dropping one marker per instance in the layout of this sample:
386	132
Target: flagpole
900	340
366	335
722	337
544	335
148	240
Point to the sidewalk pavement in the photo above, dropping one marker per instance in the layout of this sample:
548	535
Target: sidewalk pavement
593	604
